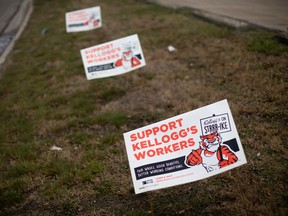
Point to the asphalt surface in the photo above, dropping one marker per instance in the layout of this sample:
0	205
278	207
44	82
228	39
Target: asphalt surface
269	14
7	10
273	15
14	15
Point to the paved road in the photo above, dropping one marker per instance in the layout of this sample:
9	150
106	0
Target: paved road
270	14
14	15
8	9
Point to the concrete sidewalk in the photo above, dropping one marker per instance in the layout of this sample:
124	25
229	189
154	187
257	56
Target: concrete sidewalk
14	15
272	15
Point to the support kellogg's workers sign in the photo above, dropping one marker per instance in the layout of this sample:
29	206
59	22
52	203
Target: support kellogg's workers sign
186	148
113	58
83	20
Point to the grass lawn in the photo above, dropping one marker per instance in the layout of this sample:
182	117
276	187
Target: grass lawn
46	100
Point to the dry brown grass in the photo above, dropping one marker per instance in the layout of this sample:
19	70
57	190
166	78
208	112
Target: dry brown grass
49	102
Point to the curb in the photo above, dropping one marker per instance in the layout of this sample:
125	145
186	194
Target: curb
215	18
15	28
220	19
236	23
212	17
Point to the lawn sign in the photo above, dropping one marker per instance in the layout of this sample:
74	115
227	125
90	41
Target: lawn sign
185	148
113	58
83	20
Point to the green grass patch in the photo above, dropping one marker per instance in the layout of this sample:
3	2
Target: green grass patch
16	125
112	94
112	118
96	167
267	45
110	140
90	170
69	208
11	192
79	137
54	190
145	117
58	168
104	188
23	152
22	168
